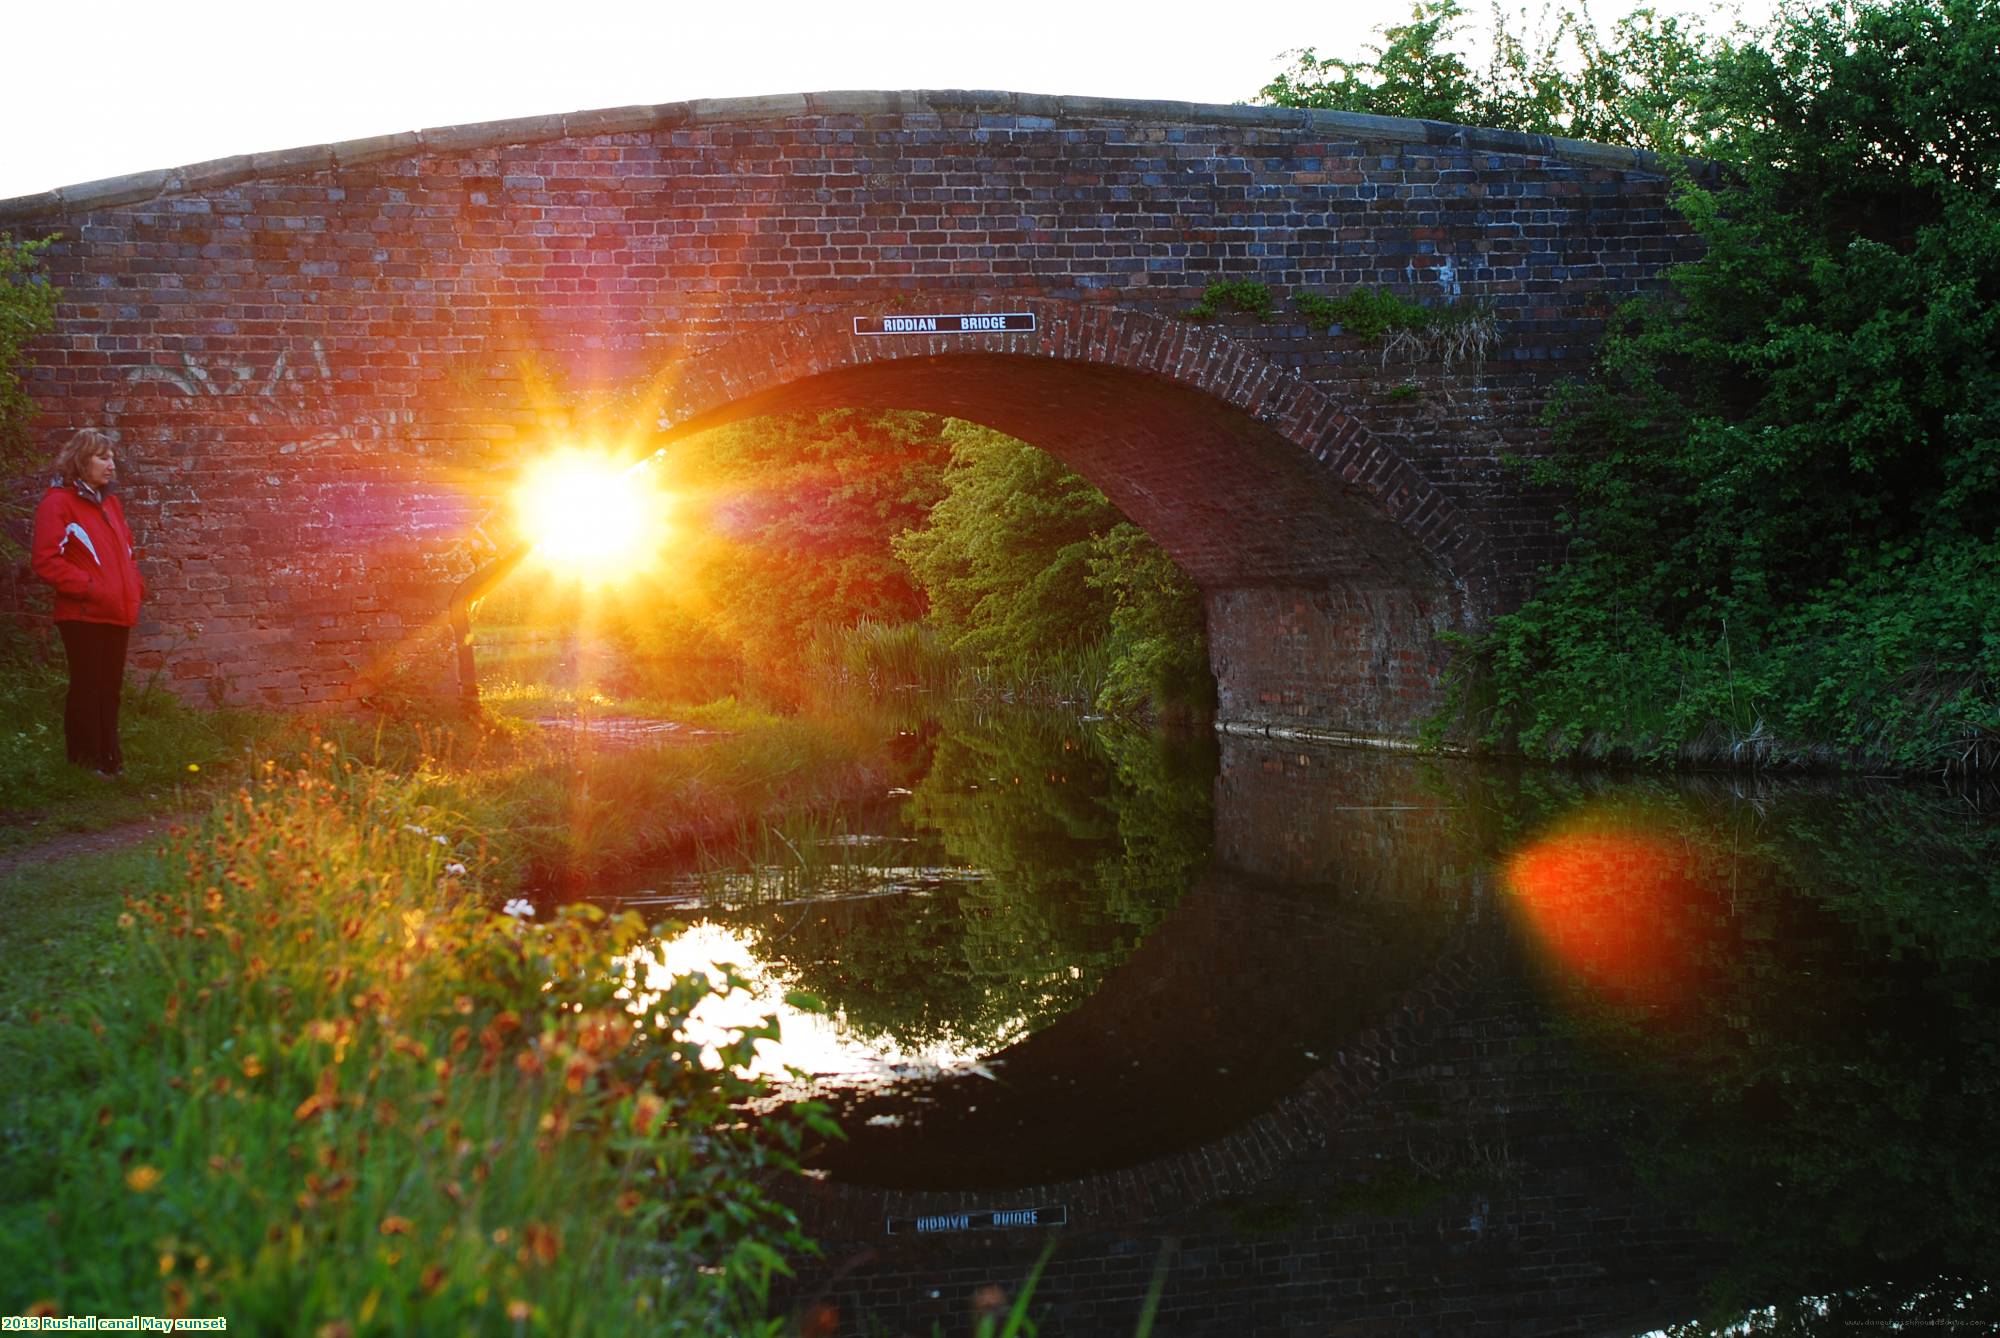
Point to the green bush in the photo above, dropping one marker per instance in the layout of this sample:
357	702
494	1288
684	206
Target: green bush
1785	475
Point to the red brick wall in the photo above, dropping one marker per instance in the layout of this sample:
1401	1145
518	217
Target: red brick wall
323	365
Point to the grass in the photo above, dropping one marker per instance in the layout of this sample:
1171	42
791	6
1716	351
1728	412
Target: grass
881	658
58	936
307	1078
174	755
298	1070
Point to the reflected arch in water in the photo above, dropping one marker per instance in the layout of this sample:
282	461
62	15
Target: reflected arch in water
1254	1007
1327	562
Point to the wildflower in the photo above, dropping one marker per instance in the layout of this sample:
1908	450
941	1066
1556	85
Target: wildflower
395	1226
194	766
454	870
141	1179
646	1113
415	830
252	1066
519	1311
439	840
313	1105
544	1241
520	908
125	920
432	1279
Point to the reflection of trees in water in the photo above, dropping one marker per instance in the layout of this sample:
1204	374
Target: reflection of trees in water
1085	838
1827	1098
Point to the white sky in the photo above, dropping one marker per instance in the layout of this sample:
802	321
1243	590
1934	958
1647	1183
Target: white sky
117	86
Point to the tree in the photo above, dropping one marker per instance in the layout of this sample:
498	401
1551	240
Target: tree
1786	474
1643	85
1005	556
1024	562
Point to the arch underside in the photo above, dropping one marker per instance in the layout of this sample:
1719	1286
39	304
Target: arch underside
1322	609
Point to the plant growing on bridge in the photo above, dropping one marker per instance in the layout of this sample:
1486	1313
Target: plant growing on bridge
27	309
1246	295
1463	329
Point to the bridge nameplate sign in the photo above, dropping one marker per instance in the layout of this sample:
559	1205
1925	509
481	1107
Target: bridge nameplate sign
1004	322
997	1218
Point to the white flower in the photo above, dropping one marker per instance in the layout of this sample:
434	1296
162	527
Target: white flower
440	840
520	908
412	827
455	870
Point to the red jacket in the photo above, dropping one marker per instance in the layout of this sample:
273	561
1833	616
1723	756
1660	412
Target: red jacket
84	549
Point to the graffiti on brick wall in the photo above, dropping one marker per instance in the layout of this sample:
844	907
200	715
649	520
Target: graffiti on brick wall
194	378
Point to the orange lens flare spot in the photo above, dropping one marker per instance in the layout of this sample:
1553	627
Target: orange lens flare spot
589	517
1615	908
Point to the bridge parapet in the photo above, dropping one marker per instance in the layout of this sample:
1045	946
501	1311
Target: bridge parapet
318	362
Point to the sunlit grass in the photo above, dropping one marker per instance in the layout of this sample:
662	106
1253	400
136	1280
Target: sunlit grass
322	1082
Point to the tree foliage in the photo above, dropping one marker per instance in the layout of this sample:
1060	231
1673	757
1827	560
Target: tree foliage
1786	473
1025	561
1642	83
789	529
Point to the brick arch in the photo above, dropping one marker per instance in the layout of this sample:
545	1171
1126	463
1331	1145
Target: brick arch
1328	563
315	359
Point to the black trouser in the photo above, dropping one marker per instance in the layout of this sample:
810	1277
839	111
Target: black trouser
96	654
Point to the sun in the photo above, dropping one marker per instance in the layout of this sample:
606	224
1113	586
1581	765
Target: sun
590	516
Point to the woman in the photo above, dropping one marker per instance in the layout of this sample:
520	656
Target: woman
83	548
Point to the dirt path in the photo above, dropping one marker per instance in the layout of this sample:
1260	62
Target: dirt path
65	844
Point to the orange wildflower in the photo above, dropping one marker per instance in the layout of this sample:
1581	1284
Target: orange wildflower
646	1112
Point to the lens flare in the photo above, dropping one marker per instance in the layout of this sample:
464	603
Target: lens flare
1617	907
589	517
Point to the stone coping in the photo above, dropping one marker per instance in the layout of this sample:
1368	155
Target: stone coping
139	187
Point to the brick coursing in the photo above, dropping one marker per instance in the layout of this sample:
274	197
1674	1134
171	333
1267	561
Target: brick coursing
322	364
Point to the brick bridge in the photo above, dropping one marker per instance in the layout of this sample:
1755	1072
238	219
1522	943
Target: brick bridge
322	364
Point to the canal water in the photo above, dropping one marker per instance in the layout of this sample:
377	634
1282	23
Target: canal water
1594	1054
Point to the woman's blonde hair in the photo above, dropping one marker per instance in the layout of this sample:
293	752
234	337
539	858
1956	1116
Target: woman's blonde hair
87	444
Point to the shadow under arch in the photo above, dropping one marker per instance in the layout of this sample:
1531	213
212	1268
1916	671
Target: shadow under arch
1328	564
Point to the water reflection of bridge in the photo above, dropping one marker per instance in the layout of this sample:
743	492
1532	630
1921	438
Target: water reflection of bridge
1401	1158
1280	985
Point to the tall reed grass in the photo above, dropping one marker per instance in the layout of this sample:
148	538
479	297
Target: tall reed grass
879	657
324	1088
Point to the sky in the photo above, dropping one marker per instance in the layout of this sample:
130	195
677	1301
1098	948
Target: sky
121	86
